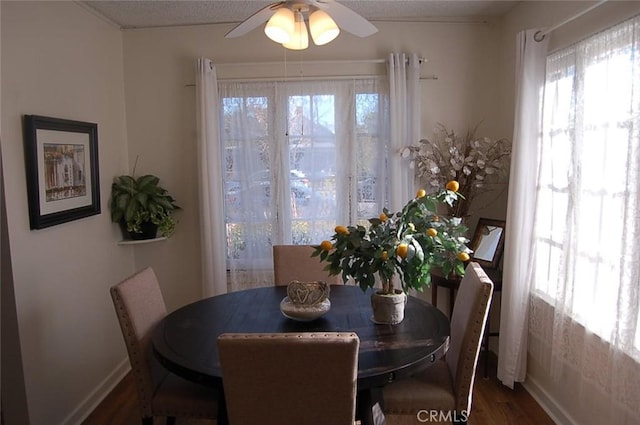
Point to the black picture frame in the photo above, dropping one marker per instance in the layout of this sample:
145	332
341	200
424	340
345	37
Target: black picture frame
62	170
488	242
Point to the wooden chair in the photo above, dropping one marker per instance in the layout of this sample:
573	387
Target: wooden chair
294	262
140	306
290	378
447	386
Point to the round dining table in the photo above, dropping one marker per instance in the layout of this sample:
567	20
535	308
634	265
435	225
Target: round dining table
185	341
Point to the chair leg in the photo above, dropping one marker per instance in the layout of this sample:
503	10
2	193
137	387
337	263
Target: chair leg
171	420
147	420
487	334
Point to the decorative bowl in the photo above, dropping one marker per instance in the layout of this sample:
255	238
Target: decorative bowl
305	301
307	293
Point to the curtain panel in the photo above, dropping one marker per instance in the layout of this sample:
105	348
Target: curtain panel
405	96
530	71
214	276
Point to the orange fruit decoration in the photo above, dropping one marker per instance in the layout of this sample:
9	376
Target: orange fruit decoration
326	245
384	256
402	250
383	217
342	230
463	256
421	193
432	232
453	186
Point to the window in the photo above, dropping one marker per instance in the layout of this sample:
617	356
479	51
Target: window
300	157
588	220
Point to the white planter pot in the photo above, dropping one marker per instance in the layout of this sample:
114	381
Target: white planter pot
388	309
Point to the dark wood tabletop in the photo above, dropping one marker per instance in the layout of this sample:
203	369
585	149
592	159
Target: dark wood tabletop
185	340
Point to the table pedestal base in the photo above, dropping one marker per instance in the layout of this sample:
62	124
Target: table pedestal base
368	409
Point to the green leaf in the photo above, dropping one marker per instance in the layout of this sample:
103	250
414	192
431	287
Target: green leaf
142	199
147	182
165	203
131	210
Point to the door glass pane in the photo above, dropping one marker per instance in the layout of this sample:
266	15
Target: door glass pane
312	162
245	135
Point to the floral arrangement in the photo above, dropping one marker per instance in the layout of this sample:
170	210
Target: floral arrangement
409	243
475	162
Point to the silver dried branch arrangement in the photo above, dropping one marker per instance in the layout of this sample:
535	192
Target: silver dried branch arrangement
477	163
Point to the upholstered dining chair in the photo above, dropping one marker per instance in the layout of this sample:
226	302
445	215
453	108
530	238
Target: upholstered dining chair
140	306
290	378
446	387
294	262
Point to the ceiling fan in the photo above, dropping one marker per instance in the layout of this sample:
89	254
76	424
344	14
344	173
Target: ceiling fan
286	22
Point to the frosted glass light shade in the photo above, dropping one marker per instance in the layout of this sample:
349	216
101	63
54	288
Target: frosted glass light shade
281	26
300	38
323	28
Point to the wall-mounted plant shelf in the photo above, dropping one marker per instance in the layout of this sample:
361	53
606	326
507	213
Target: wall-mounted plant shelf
141	241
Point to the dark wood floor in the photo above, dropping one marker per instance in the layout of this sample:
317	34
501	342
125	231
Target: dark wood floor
493	404
496	404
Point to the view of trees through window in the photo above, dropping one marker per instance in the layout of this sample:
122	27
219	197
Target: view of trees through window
299	159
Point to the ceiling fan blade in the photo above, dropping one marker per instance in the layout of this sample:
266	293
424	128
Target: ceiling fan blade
346	18
254	20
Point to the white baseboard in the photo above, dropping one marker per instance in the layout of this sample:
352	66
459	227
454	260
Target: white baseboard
96	396
548	404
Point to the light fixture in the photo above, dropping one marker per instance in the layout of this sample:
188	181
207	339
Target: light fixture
323	28
281	26
287	27
300	38
287	17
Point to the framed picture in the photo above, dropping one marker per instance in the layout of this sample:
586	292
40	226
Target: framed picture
62	170
488	242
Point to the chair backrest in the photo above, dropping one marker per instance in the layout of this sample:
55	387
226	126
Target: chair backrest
290	378
467	329
140	306
294	262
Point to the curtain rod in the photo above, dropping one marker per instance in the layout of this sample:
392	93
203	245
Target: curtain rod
294	79
316	62
539	35
297	79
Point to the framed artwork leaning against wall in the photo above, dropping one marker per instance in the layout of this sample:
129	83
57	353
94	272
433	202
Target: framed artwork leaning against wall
488	242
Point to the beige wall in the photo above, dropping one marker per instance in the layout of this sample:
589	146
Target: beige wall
59	60
561	402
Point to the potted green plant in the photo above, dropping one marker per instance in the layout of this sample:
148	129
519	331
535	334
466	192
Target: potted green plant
142	207
408	244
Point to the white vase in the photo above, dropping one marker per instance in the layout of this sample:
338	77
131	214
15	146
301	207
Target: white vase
388	309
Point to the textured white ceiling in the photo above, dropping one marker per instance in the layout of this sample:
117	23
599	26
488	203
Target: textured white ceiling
146	13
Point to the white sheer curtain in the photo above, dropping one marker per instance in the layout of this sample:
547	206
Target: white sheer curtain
405	108
530	68
585	321
299	158
212	233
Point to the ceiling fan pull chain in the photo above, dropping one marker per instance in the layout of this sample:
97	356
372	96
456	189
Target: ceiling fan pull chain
301	81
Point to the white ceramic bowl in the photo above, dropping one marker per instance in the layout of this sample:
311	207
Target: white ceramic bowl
303	313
